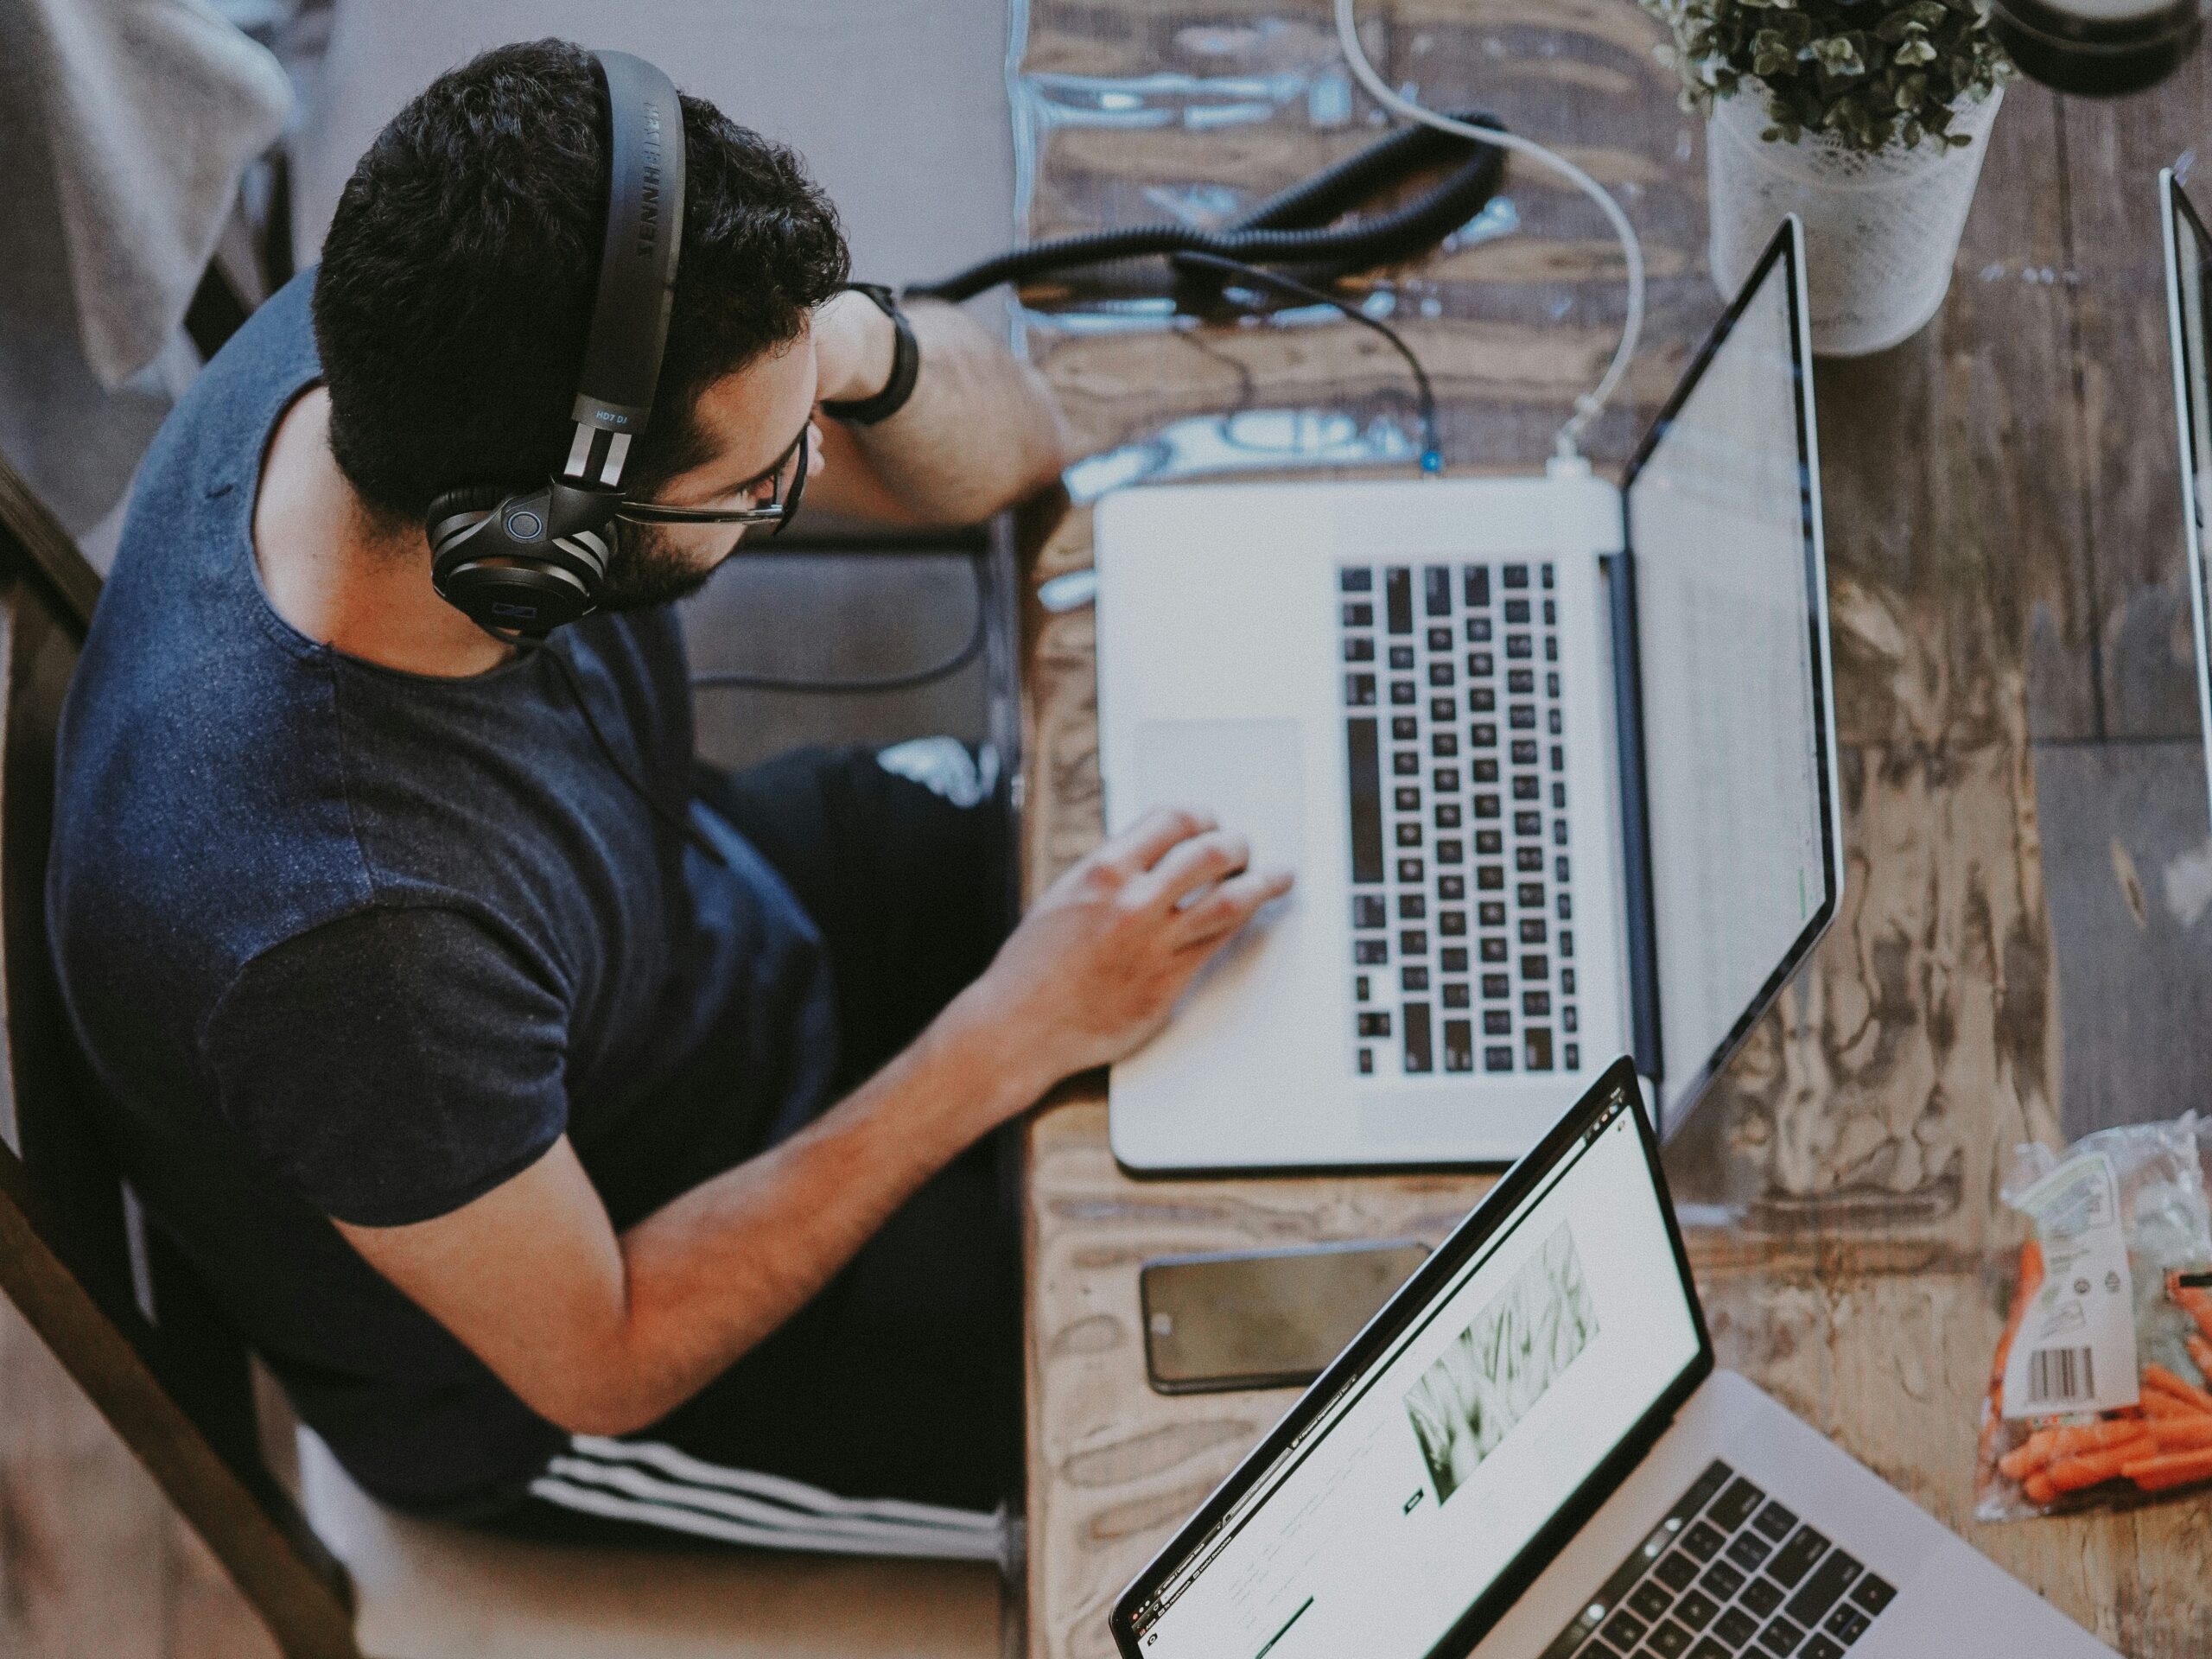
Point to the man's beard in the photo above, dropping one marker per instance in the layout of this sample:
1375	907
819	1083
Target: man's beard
646	571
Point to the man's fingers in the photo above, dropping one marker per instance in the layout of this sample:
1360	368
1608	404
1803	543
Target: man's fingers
1146	841
1215	918
1191	865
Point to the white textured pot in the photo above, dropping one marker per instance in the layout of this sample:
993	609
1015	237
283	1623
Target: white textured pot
1881	228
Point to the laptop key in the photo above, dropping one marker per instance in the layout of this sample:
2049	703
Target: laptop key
1648	1600
1761	1597
1710	1649
1748	1552
1823	1589
1774	1522
1782	1637
1722	1579
1741	1501
1398	599
1417	1056
1702	1541
1847	1624
1624	1631
1677	1572
1735	1628
1873	1593
1436	579
1696	1610
1820	1647
1794	1559
1668	1640
1458	1037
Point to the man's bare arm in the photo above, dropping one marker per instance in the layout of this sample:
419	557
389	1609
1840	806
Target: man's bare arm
603	1334
980	431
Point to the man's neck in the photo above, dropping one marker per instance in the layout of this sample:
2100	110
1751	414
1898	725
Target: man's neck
336	575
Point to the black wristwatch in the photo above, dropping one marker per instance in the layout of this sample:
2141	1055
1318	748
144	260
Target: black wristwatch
905	367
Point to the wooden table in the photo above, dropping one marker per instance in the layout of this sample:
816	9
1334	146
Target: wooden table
2018	957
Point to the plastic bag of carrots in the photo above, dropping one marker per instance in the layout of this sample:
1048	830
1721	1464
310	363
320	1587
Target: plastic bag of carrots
2100	1393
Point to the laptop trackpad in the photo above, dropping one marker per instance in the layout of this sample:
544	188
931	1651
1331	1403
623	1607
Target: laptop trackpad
1249	774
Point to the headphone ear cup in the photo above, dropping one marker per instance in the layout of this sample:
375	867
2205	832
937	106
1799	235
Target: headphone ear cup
458	510
494	557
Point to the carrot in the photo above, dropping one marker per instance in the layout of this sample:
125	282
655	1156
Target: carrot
2201	1351
2038	1489
2161	1407
2190	1434
2096	1437
2028	1457
2159	1378
2173	1469
2092	1468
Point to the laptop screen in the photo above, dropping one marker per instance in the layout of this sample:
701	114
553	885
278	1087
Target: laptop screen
2188	295
1415	1476
1732	643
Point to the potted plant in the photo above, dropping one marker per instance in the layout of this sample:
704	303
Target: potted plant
1868	118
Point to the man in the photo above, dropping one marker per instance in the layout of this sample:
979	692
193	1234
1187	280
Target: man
585	1139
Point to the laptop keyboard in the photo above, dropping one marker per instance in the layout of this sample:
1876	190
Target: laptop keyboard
1729	1574
1463	942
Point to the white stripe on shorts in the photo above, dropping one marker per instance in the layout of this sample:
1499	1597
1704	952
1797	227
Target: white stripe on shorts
655	1485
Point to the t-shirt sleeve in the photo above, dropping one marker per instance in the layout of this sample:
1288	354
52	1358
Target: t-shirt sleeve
391	1064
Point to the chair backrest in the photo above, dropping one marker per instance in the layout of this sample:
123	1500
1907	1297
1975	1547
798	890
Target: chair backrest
117	1306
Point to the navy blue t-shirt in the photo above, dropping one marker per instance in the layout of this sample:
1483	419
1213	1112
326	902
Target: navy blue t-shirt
345	942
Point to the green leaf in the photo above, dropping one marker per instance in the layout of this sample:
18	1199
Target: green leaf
1839	56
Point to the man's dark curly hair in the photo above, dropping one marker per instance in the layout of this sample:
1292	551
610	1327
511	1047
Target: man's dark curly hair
457	280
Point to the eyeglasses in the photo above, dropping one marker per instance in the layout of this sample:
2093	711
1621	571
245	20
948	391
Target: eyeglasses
778	509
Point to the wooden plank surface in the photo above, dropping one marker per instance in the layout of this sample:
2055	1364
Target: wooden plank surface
1991	589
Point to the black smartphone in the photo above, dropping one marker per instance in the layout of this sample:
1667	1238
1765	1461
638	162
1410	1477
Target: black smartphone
1264	1318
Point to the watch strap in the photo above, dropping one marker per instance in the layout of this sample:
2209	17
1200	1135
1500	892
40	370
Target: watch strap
905	367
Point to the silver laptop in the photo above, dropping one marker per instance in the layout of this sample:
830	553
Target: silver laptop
1529	1454
2188	300
1555	763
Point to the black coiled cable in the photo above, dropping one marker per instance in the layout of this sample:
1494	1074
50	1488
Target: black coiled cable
1293	228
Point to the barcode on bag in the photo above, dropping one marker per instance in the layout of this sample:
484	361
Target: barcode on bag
2056	1374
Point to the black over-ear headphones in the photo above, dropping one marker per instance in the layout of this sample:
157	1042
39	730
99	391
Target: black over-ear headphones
526	562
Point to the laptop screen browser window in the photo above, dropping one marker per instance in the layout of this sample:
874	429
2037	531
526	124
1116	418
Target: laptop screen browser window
1431	1470
1730	632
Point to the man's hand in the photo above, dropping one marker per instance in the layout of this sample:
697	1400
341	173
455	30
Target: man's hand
1096	965
855	345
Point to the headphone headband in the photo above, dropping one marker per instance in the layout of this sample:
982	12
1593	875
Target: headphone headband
637	263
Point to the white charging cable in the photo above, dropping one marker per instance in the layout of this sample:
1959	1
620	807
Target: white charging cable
1592	404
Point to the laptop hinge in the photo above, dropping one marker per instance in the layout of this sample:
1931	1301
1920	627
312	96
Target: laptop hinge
1636	823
